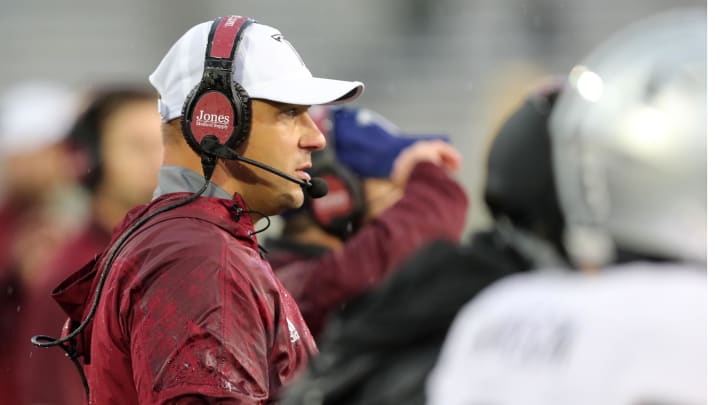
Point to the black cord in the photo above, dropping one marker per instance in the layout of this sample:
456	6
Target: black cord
238	212
47	341
265	217
70	349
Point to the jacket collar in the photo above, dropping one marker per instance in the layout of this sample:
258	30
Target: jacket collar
178	179
230	214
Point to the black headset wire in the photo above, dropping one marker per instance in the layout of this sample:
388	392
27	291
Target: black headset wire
70	348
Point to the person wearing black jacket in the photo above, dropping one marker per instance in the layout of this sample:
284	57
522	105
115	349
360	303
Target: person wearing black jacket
380	348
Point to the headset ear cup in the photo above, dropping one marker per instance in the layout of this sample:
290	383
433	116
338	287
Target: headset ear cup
85	141
218	107
341	212
242	108
186	118
94	167
243	112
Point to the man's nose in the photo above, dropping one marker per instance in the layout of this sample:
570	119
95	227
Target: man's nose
311	138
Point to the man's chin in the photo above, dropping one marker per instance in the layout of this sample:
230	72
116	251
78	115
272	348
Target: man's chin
292	200
297	200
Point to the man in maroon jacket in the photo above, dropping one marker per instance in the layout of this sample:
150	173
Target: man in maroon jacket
390	193
188	311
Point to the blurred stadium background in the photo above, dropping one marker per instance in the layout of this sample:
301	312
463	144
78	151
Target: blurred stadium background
447	66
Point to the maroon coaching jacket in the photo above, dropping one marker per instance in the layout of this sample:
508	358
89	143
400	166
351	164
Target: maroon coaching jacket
190	312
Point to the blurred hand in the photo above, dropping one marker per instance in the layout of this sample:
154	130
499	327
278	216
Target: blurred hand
380	194
437	152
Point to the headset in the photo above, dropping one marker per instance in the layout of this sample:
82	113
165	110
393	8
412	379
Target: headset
216	121
341	212
218	107
217	113
86	135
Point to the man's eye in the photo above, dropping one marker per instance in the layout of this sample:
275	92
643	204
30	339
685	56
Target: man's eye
292	112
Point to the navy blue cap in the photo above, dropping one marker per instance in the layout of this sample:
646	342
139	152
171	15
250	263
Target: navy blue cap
367	143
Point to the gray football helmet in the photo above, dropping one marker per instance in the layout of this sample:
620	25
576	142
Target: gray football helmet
629	144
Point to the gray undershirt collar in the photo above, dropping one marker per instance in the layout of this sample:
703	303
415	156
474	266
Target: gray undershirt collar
177	179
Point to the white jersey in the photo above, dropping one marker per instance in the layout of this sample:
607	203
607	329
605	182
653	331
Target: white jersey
630	335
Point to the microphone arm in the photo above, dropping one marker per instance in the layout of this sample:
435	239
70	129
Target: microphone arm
316	187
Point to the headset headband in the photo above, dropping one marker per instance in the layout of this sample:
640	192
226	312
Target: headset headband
224	36
218	106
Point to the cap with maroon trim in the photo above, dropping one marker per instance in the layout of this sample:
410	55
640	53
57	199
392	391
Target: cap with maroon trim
266	65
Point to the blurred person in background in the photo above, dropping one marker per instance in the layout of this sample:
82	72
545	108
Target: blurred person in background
37	202
119	143
389	193
629	142
37	170
380	348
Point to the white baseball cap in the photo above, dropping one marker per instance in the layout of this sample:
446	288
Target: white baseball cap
266	65
35	114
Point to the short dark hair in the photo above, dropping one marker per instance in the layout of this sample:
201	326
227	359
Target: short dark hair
172	132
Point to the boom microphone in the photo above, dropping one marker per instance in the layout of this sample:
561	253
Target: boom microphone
316	187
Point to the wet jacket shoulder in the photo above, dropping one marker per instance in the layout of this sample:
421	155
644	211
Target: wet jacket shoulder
191	312
434	206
